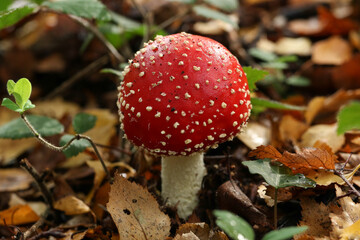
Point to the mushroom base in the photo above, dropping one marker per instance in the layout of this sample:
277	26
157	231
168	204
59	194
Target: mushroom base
181	181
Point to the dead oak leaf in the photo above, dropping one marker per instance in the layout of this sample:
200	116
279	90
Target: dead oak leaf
135	212
263	152
308	158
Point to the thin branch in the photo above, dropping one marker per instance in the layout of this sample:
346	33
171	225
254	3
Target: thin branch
62	148
92	67
24	163
34	228
341	175
99	35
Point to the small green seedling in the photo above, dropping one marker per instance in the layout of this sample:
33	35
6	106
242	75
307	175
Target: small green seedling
21	90
239	229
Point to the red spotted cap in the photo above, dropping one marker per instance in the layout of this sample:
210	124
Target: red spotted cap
182	94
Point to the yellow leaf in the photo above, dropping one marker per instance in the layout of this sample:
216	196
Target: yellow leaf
351	232
135	212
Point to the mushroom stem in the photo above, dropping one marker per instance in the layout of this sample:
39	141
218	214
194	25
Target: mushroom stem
181	181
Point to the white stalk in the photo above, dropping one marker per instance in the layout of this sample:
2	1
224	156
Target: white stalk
181	178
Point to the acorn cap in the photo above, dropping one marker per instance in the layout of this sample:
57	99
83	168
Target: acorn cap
182	94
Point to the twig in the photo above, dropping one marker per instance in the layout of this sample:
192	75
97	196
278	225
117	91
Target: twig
100	36
62	148
341	175
34	227
24	163
97	64
275	208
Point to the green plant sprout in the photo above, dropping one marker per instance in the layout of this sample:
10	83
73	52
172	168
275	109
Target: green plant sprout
278	176
39	126
239	229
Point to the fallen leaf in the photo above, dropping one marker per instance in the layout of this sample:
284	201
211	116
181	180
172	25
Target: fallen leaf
293	46
52	63
255	135
331	51
351	232
347	75
346	214
201	230
18	215
268	194
14	179
291	129
314	107
212	27
71	205
135	212
326	133
46	108
186	236
263	152
316	217
308	158
354	37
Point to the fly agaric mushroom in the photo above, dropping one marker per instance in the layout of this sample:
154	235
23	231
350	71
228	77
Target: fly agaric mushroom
181	95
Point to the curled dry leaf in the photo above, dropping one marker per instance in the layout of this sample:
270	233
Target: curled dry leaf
331	51
297	46
325	133
135	212
268	194
314	107
255	135
71	205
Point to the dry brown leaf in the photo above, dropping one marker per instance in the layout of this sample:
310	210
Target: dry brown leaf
314	107
341	97
18	215
354	37
255	135
326	133
331	51
212	27
14	179
347	75
268	194
136	212
263	152
308	158
291	128
218	235
201	230
316	217
71	205
345	215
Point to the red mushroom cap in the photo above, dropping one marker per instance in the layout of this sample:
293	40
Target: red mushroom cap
182	94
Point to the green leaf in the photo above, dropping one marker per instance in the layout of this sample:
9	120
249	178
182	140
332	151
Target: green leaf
76	147
22	91
92	9
349	117
28	105
278	176
275	65
262	55
261	102
4	5
17	129
226	5
12	16
233	225
298	81
287	58
83	122
10	105
284	233
253	75
10	86
213	14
